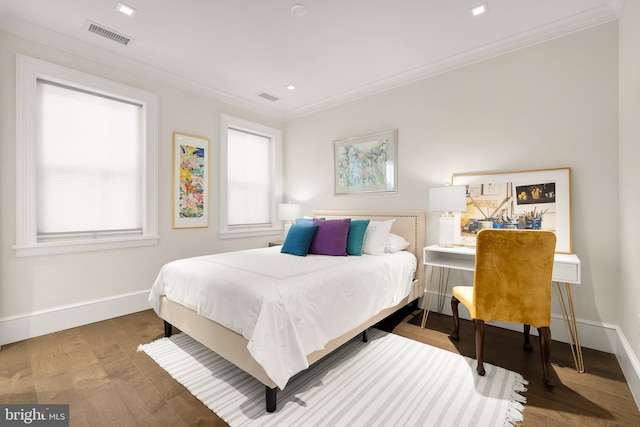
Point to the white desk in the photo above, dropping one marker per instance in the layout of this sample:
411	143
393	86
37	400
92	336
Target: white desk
566	270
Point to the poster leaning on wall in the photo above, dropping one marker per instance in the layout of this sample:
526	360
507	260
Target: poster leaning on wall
534	199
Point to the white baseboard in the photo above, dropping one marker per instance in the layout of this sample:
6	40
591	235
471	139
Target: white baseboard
25	326
630	366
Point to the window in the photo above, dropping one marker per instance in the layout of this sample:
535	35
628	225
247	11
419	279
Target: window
250	177
86	162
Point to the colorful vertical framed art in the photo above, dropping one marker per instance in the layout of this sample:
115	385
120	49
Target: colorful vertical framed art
190	181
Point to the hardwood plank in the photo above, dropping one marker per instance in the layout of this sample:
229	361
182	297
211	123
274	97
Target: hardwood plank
55	389
76	352
46	358
104	406
193	412
16	375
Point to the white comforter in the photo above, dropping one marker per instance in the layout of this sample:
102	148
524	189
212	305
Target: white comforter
286	306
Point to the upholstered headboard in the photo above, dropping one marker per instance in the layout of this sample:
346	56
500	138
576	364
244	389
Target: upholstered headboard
408	224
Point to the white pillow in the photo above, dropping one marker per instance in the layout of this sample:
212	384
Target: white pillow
375	239
395	243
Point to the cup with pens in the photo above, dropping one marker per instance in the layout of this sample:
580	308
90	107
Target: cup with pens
533	219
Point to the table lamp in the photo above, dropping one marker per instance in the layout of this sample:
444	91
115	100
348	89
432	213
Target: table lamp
288	212
447	200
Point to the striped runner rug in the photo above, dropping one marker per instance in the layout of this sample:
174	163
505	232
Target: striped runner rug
388	381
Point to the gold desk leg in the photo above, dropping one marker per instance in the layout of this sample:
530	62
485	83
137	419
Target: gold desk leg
571	326
431	285
442	288
436	276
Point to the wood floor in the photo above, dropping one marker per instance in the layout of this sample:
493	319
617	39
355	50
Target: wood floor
97	370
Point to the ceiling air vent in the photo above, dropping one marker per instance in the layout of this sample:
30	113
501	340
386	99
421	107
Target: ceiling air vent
268	96
105	32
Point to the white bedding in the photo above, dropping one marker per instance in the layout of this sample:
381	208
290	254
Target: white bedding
286	306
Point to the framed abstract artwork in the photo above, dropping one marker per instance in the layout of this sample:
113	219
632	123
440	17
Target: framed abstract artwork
365	164
534	199
190	181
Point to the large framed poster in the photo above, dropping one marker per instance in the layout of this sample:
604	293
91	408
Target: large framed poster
543	195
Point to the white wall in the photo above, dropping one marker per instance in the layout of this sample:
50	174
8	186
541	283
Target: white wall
36	292
629	176
550	105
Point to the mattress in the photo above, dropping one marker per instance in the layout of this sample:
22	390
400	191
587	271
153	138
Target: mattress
286	306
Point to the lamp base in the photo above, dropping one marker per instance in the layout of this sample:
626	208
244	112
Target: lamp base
287	227
446	234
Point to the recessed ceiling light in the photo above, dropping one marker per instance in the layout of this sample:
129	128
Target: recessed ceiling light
291	87
480	9
299	9
124	9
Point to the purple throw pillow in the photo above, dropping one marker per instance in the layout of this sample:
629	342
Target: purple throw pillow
331	237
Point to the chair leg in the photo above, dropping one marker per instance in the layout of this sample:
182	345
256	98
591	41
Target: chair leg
527	343
480	345
456	319
545	354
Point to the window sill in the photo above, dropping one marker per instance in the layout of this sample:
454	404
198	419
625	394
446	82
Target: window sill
52	248
238	234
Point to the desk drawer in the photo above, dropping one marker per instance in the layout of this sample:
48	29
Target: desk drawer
563	272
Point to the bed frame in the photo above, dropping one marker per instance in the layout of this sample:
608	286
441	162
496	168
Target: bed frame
233	346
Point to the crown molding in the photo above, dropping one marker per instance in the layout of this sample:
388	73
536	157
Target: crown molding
616	5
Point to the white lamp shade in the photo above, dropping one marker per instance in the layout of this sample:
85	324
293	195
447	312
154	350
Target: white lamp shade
448	199
288	211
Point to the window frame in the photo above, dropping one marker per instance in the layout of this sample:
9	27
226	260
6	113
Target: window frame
275	135
28	71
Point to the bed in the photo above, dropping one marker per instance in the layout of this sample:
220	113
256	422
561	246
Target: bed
234	341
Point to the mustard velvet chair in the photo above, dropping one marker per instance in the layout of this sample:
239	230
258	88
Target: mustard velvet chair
511	283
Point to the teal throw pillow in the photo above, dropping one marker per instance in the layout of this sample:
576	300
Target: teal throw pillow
355	238
299	239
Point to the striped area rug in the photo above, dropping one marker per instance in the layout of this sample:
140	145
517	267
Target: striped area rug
388	381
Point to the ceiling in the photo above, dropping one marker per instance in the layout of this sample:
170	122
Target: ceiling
340	50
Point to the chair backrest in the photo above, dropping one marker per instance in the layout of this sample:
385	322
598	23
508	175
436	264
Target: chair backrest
512	278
